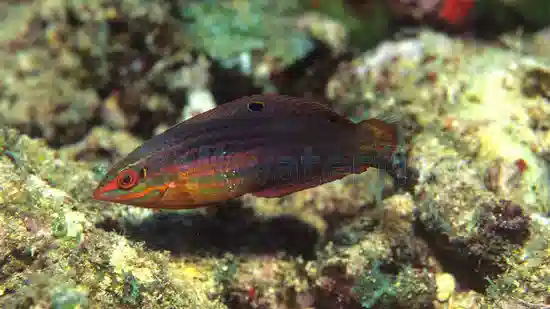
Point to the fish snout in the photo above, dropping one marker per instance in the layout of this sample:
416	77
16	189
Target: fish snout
106	191
100	194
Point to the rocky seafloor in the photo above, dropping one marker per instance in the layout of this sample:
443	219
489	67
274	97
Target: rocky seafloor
83	83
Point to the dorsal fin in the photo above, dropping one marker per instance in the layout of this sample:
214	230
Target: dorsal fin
274	105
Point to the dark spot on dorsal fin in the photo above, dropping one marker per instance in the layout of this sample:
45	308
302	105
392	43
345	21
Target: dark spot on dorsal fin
256	106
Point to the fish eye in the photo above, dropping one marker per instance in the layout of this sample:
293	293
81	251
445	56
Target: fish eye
127	179
256	106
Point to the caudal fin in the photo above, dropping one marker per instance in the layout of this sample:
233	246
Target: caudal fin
376	134
383	146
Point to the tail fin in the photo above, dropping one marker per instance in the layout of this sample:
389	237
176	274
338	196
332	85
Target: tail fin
376	134
386	148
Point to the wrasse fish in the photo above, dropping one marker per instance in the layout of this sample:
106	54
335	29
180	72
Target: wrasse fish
266	145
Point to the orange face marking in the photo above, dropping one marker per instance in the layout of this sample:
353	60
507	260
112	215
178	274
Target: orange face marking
206	181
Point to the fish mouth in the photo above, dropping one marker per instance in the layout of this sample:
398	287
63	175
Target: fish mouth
102	190
136	199
99	194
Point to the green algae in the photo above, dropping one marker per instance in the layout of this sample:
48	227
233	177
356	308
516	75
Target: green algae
229	30
365	26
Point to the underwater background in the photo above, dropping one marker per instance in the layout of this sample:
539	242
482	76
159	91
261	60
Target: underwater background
84	82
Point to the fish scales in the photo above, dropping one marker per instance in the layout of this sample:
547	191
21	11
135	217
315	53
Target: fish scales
267	145
231	129
239	139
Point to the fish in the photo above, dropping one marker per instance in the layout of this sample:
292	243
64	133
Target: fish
267	145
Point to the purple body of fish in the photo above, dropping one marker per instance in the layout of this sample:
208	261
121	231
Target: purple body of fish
266	145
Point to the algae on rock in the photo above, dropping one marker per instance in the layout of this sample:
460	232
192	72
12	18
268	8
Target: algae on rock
52	253
232	31
477	147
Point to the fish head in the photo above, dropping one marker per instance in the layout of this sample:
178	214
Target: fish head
159	182
133	185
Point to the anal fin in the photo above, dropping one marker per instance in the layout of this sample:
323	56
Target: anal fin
289	188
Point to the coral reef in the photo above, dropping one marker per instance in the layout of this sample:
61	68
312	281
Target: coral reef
477	147
52	254
84	82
